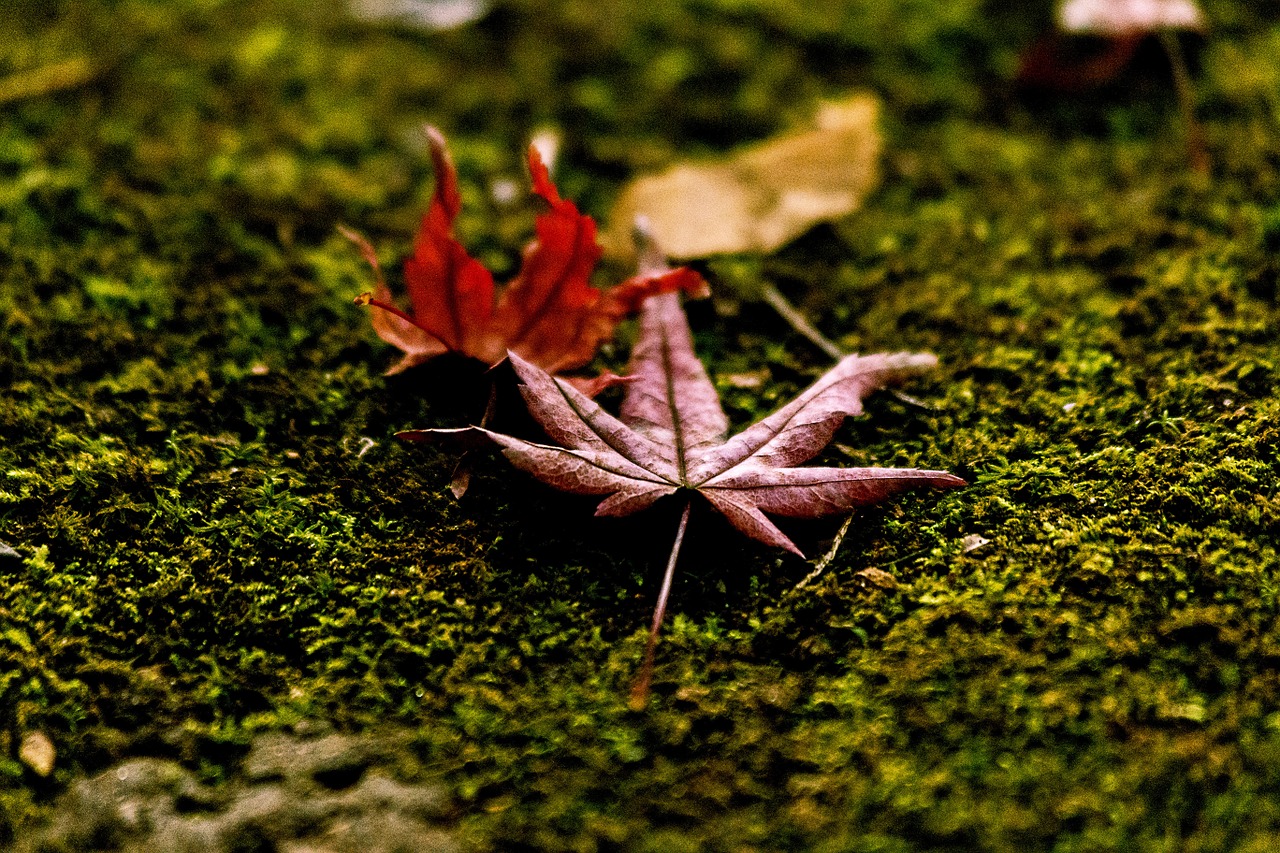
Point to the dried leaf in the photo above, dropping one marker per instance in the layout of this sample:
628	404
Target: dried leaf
671	437
763	196
549	314
1129	17
1123	25
424	14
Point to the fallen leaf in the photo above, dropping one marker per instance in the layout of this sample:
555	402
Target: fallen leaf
671	437
424	14
1128	17
1118	29
38	752
762	197
550	315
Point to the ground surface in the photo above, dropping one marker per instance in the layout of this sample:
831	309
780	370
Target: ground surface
215	543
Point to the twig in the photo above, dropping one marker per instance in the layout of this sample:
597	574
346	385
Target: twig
43	81
640	689
461	479
801	324
798	321
820	566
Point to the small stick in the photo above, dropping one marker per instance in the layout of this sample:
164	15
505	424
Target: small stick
67	74
798	321
802	325
461	480
820	566
1196	150
640	689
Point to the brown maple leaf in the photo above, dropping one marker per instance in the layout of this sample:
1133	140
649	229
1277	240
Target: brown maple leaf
549	314
671	437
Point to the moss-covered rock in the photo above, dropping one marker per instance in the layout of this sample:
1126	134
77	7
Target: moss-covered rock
217	539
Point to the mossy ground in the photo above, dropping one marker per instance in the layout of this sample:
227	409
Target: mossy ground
219	536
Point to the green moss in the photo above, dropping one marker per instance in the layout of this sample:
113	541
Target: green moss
219	535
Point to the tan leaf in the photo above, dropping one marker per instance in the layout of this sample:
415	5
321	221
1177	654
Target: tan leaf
763	196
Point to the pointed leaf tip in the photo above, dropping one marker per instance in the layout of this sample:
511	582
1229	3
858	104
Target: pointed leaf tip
650	259
540	176
366	248
446	192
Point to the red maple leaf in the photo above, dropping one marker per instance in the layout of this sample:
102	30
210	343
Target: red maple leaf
549	314
671	438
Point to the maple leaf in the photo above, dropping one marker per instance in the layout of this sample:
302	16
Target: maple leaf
671	437
549	314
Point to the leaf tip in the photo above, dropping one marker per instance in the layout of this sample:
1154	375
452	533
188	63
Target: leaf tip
447	197
541	177
365	248
650	259
639	697
914	362
435	140
788	545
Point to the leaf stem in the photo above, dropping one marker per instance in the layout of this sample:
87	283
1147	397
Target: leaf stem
370	299
798	321
640	689
461	480
820	565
